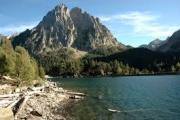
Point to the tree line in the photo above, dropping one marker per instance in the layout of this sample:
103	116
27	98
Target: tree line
142	59
130	62
24	68
18	64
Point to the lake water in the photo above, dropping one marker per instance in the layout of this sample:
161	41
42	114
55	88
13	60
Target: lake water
138	97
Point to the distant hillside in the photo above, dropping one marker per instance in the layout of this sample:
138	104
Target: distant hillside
153	45
172	44
142	58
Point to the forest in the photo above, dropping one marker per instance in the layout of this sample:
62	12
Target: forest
18	64
138	61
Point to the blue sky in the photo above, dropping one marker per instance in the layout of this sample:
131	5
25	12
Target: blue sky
132	22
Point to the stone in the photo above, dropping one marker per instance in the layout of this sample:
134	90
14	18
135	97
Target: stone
58	117
17	90
6	114
32	117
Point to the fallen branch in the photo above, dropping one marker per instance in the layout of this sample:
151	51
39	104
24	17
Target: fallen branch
10	95
13	103
37	88
3	102
21	106
75	93
114	111
75	97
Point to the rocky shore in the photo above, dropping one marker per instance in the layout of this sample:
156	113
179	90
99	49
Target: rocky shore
36	103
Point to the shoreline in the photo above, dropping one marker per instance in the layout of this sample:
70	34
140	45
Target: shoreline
118	75
38	103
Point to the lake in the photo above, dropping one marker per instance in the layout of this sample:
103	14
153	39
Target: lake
137	97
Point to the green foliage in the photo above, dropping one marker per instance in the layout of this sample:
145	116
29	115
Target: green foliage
7	57
41	73
18	63
75	68
24	70
105	51
173	68
131	62
5	63
35	68
142	59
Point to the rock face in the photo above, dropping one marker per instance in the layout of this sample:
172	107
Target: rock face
90	32
62	27
172	44
153	45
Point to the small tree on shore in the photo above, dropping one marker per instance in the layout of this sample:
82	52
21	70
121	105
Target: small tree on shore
7	57
41	73
24	70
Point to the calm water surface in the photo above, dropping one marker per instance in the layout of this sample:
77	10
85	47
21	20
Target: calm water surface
138	97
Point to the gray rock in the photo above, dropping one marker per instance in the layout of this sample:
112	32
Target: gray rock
153	45
90	32
68	28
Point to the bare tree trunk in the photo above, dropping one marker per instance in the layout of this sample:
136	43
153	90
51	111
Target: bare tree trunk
21	106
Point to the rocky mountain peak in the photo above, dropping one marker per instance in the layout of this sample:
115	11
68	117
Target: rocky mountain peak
62	27
172	43
57	16
156	41
153	45
77	10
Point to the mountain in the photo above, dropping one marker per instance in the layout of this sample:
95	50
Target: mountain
153	45
12	35
62	27
172	43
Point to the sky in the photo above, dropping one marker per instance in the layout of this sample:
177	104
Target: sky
132	22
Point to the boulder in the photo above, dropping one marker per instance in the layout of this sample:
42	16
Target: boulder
17	90
6	114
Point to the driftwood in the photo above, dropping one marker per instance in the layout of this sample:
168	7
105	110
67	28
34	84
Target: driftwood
75	97
114	111
76	93
10	95
18	100
13	103
5	102
37	88
21	106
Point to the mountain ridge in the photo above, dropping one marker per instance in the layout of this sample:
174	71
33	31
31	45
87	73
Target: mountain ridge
62	27
171	44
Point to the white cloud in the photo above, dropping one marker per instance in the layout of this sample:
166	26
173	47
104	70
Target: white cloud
143	23
15	28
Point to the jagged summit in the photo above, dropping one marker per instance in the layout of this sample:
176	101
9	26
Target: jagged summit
172	43
69	28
